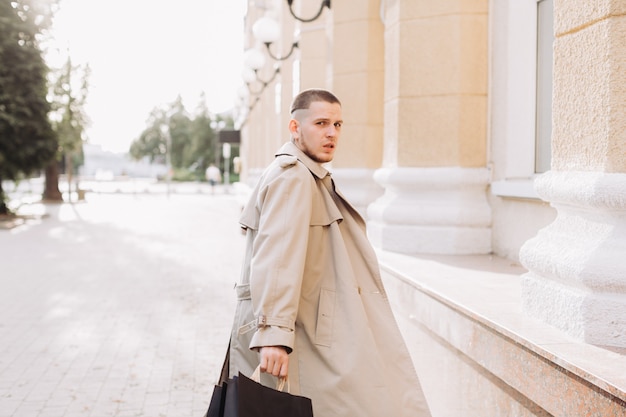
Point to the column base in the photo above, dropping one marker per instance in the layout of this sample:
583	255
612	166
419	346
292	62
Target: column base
431	211
359	187
577	274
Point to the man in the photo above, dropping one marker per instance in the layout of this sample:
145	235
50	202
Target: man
311	303
213	175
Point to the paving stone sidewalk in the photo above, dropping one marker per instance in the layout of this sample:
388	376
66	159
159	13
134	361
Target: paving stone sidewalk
117	306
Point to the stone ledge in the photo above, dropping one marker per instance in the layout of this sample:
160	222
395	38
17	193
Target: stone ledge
471	305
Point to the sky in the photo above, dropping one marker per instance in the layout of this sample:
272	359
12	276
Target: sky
144	53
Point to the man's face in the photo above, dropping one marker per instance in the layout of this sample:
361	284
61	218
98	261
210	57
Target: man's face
316	130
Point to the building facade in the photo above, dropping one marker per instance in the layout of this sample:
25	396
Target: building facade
485	143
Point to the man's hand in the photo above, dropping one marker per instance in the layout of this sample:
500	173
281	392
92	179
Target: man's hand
275	361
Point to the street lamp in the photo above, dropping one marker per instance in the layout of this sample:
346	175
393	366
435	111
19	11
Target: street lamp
325	3
253	61
267	31
264	83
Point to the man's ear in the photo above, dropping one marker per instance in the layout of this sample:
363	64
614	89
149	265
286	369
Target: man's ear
293	128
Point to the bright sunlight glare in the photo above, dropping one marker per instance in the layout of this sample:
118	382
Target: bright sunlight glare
144	53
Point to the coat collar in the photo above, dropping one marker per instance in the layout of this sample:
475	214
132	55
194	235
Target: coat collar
316	168
320	172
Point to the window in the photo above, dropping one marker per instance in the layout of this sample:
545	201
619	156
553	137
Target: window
545	41
295	71
521	43
278	89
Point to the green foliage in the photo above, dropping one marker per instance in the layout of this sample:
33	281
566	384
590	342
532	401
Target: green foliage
27	140
179	126
192	140
152	142
68	97
203	139
184	175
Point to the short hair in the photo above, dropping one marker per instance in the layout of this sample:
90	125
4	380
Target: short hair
304	99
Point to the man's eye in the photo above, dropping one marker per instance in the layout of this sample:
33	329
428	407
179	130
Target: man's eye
337	125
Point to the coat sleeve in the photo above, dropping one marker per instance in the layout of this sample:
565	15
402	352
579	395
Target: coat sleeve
279	254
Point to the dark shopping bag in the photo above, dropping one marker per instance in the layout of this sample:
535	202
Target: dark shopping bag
241	396
218	398
218	401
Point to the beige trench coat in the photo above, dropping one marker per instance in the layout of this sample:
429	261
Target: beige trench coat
311	282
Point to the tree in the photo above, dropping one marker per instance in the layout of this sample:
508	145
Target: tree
190	143
203	146
152	142
27	140
167	135
179	126
69	120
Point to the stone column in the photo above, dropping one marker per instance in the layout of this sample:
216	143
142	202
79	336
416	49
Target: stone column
253	150
577	267
266	128
435	137
358	81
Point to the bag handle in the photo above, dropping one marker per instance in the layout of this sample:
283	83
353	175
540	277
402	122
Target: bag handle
280	384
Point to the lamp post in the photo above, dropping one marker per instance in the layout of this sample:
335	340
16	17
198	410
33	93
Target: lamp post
226	155
217	126
165	131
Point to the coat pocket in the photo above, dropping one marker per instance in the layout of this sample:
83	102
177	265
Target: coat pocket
244	318
325	318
